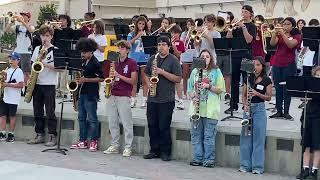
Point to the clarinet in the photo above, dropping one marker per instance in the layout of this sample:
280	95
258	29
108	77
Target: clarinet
246	121
196	111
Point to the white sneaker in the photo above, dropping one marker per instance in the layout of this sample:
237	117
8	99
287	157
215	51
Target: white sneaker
133	102
180	105
112	150
127	152
144	102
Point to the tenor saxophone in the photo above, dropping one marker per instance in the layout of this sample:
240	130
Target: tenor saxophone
196	108
36	69
109	80
154	77
3	78
247	120
73	87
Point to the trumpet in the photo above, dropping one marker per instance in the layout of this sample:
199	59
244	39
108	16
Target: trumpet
197	37
220	24
234	25
131	25
12	16
78	23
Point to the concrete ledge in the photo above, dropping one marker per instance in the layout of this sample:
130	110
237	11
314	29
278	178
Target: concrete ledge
282	147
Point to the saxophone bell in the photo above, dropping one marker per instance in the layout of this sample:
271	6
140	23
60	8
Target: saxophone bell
154	80
37	67
108	81
72	86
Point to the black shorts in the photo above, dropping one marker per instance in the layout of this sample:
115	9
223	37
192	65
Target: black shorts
8	109
312	133
224	64
141	64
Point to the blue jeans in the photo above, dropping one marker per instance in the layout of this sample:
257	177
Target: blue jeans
203	139
252	152
88	108
280	74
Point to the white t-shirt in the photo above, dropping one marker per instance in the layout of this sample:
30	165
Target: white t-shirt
101	40
47	76
23	40
13	95
206	45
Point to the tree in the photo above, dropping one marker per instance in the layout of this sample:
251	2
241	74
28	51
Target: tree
8	40
48	9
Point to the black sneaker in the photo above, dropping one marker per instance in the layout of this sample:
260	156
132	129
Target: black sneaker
288	117
301	105
10	138
209	164
276	115
304	172
227	96
165	157
195	163
313	175
2	136
228	111
151	155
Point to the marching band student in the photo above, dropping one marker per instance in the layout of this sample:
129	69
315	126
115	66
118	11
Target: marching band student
247	30
252	146
45	90
204	130
177	48
300	24
100	39
137	53
119	109
11	97
23	32
311	140
92	75
287	40
159	121
187	57
87	29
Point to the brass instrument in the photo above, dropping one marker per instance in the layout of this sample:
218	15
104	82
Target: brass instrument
12	17
220	24
73	87
162	28
3	78
192	32
109	81
197	37
233	26
78	23
154	79
196	110
37	67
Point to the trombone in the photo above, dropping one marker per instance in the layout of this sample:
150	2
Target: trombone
78	23
162	28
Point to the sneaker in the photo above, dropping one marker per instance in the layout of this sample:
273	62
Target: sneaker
195	163
151	155
227	96
37	140
288	117
209	164
52	141
80	145
127	152
165	157
133	102
93	146
301	105
112	150
144	102
256	172
10	138
313	175
304	172
242	169
180	105
2	136
276	115
228	111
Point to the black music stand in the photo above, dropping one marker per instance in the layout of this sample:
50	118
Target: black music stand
304	87
228	46
121	31
311	39
65	61
270	51
150	44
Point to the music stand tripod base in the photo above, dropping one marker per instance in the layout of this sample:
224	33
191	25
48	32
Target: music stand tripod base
57	150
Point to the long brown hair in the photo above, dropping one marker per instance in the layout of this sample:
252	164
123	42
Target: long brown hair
212	64
143	19
99	27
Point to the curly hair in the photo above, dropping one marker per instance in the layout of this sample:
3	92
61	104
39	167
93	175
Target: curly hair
86	45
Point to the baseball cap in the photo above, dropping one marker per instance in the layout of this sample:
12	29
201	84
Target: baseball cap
26	13
15	56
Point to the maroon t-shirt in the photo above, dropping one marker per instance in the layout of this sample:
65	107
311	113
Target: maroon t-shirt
284	55
257	49
121	88
86	30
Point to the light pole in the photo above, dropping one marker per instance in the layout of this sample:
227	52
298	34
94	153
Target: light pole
89	5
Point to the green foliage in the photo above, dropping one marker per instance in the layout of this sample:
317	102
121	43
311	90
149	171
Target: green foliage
48	8
8	40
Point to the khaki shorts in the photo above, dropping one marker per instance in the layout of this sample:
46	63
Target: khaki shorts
224	64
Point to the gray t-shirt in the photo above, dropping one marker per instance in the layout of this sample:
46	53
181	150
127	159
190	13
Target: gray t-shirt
205	43
165	88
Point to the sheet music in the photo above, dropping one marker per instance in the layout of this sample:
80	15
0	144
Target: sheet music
308	59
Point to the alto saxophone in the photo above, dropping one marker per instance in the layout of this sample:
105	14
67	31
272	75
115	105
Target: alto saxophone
247	120
36	69
154	77
196	111
73	87
3	78
109	80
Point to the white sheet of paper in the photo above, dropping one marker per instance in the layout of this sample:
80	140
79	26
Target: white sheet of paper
308	59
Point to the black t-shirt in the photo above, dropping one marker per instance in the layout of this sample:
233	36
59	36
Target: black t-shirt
238	33
260	87
92	69
165	88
